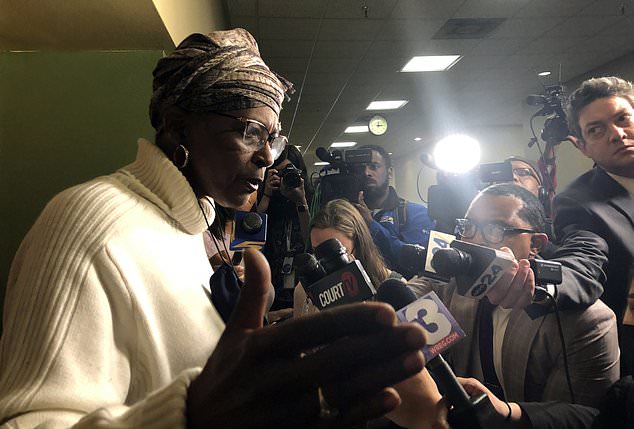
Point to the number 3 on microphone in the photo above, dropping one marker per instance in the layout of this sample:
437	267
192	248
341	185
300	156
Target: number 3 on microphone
426	313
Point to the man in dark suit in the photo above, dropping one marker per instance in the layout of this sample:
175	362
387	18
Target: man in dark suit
600	115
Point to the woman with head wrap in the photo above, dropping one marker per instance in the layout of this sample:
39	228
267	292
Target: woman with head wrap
108	321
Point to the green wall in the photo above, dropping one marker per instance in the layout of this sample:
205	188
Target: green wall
65	117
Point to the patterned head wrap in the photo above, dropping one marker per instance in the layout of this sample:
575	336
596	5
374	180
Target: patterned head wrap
222	71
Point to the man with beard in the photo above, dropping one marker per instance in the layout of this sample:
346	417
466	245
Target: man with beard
393	221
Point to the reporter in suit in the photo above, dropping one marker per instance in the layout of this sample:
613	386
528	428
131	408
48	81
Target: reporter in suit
519	356
600	114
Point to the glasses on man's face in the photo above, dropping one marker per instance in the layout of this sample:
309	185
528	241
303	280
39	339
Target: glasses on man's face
492	232
256	135
523	172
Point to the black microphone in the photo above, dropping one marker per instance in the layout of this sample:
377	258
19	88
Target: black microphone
345	282
396	293
307	269
324	155
476	268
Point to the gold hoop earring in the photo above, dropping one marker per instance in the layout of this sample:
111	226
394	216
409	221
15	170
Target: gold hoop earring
180	157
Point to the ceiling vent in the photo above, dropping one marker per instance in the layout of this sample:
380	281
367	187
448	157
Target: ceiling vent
468	28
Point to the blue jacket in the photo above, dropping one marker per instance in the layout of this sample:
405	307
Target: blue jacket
390	233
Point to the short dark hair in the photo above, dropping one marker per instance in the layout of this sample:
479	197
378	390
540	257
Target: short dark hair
591	90
532	210
381	150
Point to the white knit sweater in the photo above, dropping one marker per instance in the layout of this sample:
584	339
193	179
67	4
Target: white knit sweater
107	317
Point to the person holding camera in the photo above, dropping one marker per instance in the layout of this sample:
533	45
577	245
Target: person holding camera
284	198
393	221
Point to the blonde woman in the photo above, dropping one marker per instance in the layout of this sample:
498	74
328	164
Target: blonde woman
341	220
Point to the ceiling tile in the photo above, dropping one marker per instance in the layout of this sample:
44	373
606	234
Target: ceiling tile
341	49
490	8
376	9
349	29
426	8
531	62
292	8
525	27
332	65
288	65
409	29
607	8
548	8
288	29
545	45
285	48
499	46
581	26
624	26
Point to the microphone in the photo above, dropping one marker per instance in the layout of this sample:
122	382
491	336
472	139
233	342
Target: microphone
476	268
415	259
396	293
249	230
324	155
345	281
432	315
307	269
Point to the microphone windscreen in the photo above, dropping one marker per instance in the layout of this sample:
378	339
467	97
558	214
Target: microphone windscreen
450	262
323	154
396	293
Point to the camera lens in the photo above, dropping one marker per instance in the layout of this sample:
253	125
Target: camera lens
291	176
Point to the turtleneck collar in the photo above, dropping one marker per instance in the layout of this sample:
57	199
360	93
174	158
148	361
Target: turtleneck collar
158	180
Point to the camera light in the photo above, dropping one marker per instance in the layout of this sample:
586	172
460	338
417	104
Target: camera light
544	73
417	139
321	163
457	153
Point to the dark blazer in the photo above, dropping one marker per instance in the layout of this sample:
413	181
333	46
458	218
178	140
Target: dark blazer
595	202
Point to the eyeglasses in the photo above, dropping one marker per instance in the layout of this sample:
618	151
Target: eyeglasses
256	135
525	172
492	232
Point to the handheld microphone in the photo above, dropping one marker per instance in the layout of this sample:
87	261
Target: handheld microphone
307	269
432	315
396	293
415	259
476	268
249	230
345	281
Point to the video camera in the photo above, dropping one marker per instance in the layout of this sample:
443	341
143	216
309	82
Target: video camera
552	101
344	175
451	196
